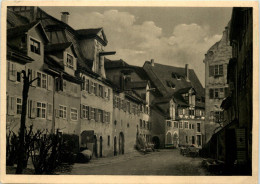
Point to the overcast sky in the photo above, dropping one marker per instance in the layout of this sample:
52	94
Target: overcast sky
169	35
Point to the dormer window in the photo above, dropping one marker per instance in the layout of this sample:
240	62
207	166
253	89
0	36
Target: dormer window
35	46
69	61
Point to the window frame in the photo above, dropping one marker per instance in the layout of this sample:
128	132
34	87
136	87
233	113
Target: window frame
33	41
41	110
19	105
71	63
72	114
63	109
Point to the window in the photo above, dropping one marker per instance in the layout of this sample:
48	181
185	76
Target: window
169	123
190	126
42	80
100	115
193	140
93	86
180	111
191	112
107	117
216	70
144	123
41	110
175	124
73	114
100	90
19	106
186	97
187	140
63	112
69	61
216	93
108	140
92	113
198	127
218	116
35	46
186	124
180	125
199	140
18	77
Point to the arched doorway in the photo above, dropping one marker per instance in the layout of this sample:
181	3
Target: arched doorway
156	142
100	146
175	139
95	146
121	143
115	146
168	138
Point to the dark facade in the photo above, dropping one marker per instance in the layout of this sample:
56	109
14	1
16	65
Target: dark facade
233	143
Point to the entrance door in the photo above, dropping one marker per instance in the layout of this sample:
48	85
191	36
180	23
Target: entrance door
156	142
100	146
95	146
115	145
121	143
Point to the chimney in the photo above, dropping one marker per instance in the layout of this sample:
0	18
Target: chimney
65	17
152	62
187	72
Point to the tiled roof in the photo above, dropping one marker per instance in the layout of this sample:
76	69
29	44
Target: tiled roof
57	47
20	30
111	64
15	19
159	74
92	33
136	84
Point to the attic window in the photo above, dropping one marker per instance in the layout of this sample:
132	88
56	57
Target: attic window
170	84
35	46
70	61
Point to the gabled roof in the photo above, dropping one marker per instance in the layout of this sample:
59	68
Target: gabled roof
159	74
22	29
93	33
136	85
59	47
111	64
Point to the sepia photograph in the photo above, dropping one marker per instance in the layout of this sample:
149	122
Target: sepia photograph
129	90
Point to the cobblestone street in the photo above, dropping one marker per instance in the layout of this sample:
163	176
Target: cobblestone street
163	162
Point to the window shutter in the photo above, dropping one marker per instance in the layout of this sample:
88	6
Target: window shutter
104	117
34	109
12	71
87	85
97	89
104	91
81	111
108	117
65	54
49	111
96	114
8	99
29	108
89	112
13	105
33	77
211	93
109	93
90	86
50	83
83	84
211	71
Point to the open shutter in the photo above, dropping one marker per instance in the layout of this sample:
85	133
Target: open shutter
57	113
49	111
34	109
97	89
104	116
89	112
33	77
90	87
81	111
12	71
96	114
65	55
104	92
109	93
9	105
50	83
29	108
211	71
108	117
87	85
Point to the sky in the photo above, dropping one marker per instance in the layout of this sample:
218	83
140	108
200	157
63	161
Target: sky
170	35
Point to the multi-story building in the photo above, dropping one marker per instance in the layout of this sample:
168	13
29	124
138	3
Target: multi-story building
216	63
131	103
25	51
182	102
238	106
